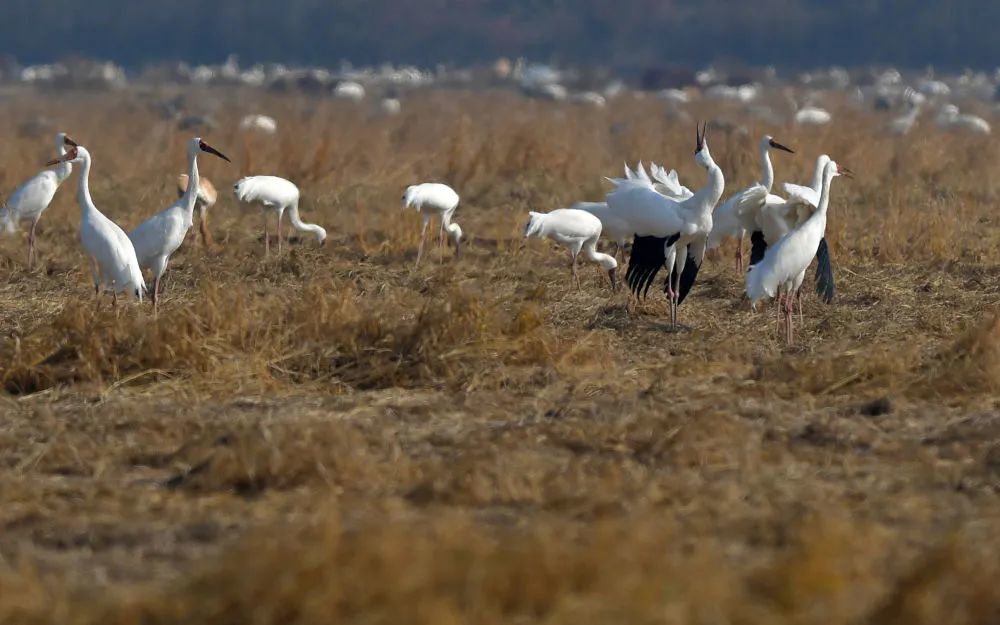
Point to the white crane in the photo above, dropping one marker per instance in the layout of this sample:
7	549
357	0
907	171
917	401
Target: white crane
207	196
669	232
949	118
903	124
737	214
575	230
114	265
263	124
441	201
780	273
31	199
157	238
278	195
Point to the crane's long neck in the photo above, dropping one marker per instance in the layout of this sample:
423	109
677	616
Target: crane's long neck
194	182
767	175
708	196
293	216
452	229
824	194
604	260
817	181
83	190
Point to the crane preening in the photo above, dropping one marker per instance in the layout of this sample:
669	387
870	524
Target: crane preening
781	272
437	200
157	238
279	195
576	230
114	265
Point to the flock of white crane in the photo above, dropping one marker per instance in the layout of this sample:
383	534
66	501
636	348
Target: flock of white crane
118	259
669	225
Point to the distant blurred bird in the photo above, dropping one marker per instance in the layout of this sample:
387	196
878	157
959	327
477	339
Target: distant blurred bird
949	118
31	199
440	200
575	230
259	123
157	238
207	196
276	194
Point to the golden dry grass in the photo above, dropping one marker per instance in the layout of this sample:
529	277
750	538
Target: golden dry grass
331	436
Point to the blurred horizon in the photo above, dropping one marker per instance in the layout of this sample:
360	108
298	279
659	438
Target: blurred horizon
789	34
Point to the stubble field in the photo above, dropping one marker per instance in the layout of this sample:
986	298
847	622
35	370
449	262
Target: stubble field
331	435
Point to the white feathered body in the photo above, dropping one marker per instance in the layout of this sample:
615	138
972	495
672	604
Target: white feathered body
613	227
572	228
157	238
105	242
787	260
31	199
277	194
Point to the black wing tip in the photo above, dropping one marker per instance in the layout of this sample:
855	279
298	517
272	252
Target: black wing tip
825	286
758	247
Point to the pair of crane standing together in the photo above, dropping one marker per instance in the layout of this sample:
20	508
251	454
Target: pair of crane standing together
671	227
117	259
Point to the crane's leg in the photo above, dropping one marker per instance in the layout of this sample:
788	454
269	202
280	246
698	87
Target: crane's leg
798	300
279	231
423	237
267	236
31	245
154	298
739	255
576	275
441	242
789	316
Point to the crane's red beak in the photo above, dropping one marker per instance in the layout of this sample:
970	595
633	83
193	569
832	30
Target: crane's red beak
845	172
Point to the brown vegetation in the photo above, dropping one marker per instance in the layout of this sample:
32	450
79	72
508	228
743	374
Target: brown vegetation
331	436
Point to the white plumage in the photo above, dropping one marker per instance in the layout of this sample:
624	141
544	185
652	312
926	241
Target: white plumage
278	195
259	123
434	199
31	199
783	267
613	228
738	214
575	230
114	265
668	232
157	238
949	118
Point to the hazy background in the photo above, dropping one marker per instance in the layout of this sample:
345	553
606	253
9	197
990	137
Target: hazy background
623	34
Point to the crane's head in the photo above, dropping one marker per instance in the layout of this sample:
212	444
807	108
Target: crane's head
74	154
769	142
198	144
701	153
834	169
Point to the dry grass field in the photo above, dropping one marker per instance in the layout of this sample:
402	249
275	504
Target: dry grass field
333	436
